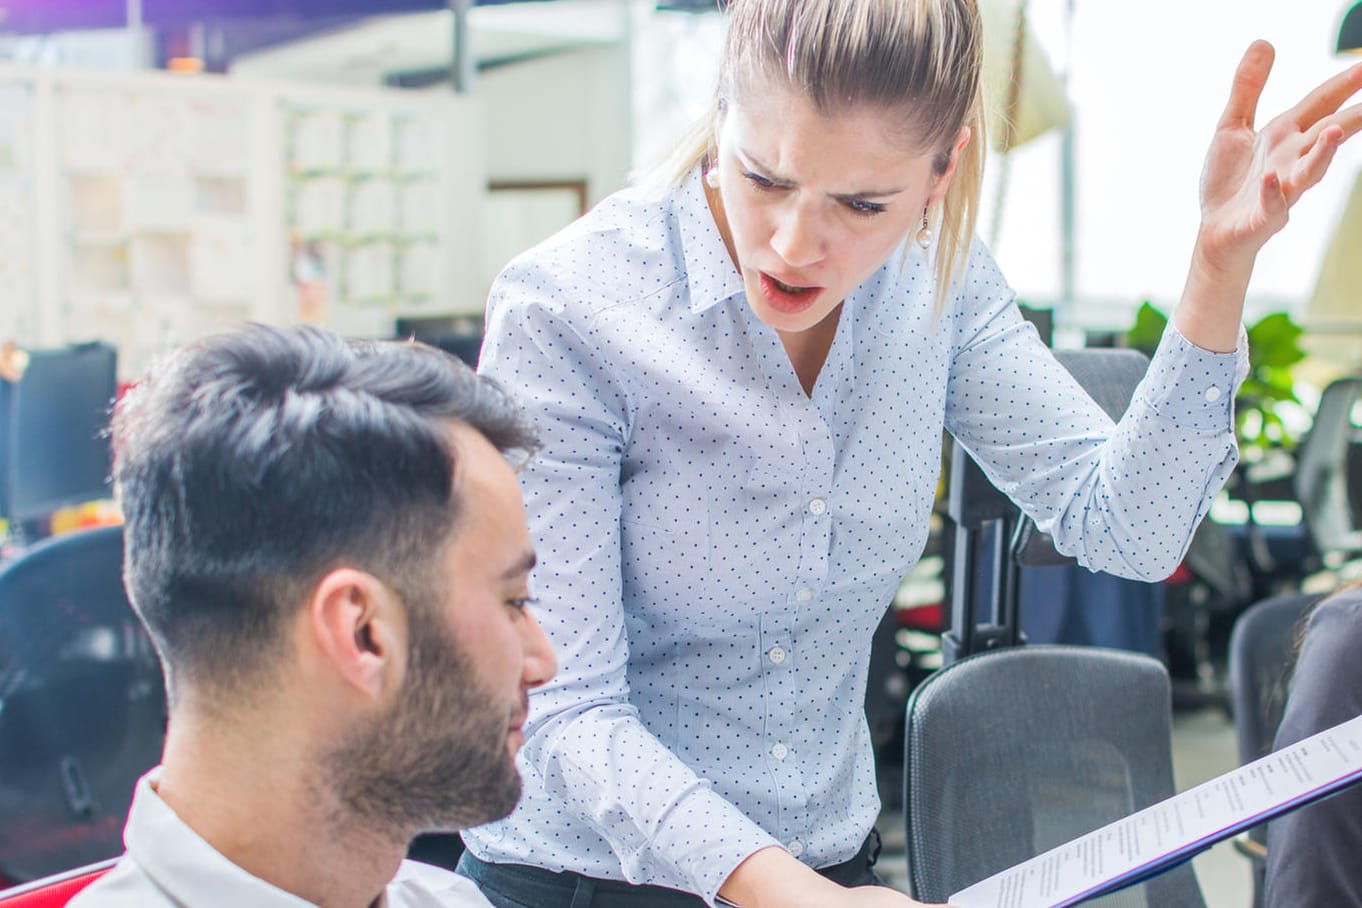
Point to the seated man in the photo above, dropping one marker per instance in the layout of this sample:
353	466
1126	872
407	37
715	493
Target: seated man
1313	853
330	552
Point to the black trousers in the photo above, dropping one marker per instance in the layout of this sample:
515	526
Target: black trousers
520	886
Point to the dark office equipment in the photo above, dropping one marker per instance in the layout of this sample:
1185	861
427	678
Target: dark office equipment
1043	319
1350	32
53	449
460	335
83	704
1262	644
1013	752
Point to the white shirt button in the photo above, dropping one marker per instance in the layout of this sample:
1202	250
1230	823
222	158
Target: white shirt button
817	506
804	595
780	751
776	654
1213	394
796	848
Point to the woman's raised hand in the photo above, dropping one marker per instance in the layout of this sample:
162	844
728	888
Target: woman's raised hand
1252	178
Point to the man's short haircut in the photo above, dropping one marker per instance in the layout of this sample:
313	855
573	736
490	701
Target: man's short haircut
251	463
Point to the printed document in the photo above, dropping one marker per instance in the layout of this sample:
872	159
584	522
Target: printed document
1162	836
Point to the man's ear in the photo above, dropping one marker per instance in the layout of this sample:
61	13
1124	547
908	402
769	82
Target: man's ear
943	180
359	629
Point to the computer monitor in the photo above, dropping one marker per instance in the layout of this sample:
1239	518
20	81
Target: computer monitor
54	449
460	335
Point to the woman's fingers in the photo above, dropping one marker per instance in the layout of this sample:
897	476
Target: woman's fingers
1327	98
1310	169
1249	78
1272	199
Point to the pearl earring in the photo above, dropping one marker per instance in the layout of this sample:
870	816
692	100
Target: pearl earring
924	235
712	178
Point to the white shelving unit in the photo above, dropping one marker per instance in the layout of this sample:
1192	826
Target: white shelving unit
148	209
18	291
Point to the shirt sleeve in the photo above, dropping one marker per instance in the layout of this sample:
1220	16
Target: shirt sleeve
1121	498
585	742
1312	853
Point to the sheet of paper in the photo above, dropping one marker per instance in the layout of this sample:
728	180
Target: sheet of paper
1168	833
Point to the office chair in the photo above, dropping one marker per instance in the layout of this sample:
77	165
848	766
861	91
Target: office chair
1262	645
1322	481
1011	749
83	705
985	591
1012	752
55	891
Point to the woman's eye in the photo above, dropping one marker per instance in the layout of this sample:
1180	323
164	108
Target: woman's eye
521	603
759	181
864	208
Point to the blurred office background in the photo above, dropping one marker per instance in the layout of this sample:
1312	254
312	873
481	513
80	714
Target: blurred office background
172	167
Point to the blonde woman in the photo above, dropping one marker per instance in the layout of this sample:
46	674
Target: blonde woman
741	380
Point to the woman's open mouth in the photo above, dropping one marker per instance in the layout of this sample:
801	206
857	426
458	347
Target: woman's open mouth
788	297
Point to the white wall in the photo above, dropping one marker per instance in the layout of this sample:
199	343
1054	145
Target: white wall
565	116
561	117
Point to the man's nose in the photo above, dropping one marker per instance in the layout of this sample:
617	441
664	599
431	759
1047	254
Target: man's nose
540	662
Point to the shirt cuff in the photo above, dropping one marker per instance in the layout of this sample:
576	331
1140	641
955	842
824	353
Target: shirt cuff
1192	387
728	839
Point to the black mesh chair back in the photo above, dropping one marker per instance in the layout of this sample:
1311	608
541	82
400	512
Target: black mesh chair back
1322	472
1110	377
1261	651
82	705
1013	752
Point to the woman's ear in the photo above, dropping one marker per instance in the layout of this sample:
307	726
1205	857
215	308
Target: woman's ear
359	629
943	180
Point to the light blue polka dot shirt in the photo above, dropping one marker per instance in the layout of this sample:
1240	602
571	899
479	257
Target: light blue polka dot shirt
716	548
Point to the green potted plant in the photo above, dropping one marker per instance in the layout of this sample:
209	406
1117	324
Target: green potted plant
1268	392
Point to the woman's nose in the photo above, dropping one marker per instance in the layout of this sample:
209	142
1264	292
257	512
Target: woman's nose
798	236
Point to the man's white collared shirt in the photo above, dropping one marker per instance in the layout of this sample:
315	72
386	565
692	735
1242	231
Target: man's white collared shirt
168	864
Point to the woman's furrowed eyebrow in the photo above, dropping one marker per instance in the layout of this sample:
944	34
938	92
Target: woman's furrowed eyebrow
865	196
750	161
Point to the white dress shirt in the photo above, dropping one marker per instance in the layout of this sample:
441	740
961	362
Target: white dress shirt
168	864
716	548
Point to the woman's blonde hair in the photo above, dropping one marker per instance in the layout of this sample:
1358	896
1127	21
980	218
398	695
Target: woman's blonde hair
918	60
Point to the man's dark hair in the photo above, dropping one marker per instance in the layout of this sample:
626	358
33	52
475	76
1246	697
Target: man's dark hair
251	463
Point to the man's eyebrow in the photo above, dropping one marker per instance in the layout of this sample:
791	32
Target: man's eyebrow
752	161
522	566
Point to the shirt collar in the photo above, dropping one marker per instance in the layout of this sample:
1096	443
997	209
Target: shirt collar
185	866
710	274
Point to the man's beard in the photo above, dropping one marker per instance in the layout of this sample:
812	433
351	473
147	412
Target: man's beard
438	760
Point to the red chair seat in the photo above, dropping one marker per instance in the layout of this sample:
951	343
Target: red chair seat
54	891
